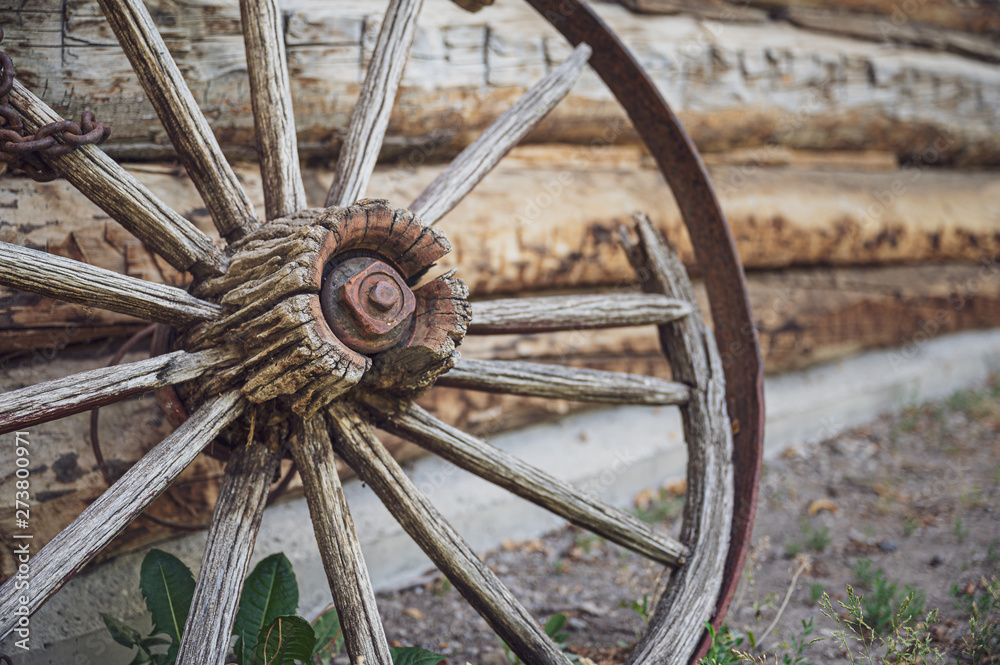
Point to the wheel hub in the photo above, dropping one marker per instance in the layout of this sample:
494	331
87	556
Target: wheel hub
323	301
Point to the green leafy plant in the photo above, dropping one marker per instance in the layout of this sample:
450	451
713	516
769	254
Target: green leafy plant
982	644
796	653
640	607
285	641
793	652
814	538
586	541
960	530
724	646
269	592
414	656
266	631
864	574
903	643
329	637
130	637
167	587
993	553
885	603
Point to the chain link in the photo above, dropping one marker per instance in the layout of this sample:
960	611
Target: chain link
22	150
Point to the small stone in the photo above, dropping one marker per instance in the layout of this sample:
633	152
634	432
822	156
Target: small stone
414	613
935	561
888	546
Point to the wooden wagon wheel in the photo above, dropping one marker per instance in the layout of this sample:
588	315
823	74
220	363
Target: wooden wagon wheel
317	324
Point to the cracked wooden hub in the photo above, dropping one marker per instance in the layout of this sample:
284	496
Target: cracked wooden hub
321	301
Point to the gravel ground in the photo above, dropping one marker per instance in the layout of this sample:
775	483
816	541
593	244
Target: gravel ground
915	494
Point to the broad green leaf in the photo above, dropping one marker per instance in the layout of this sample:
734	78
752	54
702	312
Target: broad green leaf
122	633
168	587
270	591
329	637
285	641
555	624
414	656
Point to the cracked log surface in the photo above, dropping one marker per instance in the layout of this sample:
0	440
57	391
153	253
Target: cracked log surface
851	76
794	217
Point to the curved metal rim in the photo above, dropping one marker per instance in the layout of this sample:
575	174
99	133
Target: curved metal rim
715	251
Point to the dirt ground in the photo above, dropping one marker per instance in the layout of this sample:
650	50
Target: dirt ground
911	499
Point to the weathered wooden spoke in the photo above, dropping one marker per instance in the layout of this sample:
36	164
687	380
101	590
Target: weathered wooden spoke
72	281
115	191
58	398
57	562
371	114
528	482
690	596
339	546
183	121
240	507
274	121
558	381
355	441
479	158
552	313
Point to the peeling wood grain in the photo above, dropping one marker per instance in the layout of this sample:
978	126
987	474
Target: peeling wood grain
764	81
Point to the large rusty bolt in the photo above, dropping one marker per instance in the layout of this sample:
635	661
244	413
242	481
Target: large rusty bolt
367	304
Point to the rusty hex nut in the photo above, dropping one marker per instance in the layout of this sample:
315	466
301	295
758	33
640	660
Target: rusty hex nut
377	299
367	304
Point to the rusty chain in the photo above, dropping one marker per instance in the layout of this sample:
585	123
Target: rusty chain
22	150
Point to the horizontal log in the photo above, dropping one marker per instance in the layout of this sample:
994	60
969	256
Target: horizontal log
547	218
978	19
760	81
571	383
940	25
782	217
573	312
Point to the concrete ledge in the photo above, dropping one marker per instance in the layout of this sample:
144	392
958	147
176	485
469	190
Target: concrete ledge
612	453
